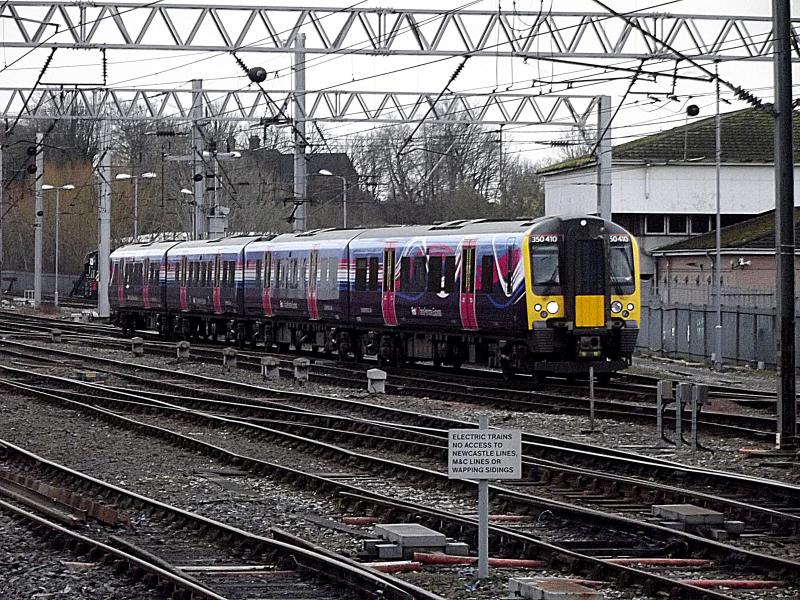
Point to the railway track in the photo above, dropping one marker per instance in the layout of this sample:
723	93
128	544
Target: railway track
631	406
184	553
513	498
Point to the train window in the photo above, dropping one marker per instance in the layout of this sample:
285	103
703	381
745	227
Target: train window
258	272
487	273
216	270
361	274
303	274
184	270
232	274
449	273
418	274
278	273
622	275
468	270
435	274
388	270
177	272
224	273
405	273
590	267
545	266
372	285
268	269
209	274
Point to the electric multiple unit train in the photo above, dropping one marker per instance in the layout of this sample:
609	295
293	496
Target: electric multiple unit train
542	296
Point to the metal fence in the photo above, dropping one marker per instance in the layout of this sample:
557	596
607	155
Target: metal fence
705	295
684	326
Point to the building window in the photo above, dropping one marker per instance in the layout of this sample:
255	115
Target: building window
700	223
654	224
677	224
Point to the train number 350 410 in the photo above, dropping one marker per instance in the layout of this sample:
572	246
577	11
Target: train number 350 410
544	239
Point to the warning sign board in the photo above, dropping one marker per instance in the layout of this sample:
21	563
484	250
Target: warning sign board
484	454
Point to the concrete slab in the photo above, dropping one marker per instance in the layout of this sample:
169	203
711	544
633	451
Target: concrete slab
676	525
734	527
410	535
689	514
389	551
457	549
551	589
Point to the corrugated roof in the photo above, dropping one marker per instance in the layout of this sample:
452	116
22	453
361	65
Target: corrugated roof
755	233
746	137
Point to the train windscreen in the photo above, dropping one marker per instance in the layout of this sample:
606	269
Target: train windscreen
545	267
623	281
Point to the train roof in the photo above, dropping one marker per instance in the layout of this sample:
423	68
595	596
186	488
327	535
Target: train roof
459	226
215	245
144	249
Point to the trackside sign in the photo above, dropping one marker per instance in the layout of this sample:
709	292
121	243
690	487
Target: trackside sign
484	454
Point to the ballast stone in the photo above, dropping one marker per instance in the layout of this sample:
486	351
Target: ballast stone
551	589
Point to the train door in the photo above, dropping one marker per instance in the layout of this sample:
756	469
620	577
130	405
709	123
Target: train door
119	273
217	283
590	282
387	296
146	283
266	294
184	272
469	319
311	289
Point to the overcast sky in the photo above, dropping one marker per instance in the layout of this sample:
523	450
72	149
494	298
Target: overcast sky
639	114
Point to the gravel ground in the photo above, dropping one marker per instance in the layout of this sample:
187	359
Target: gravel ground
180	483
30	568
210	488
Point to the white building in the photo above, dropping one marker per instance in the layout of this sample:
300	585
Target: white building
663	185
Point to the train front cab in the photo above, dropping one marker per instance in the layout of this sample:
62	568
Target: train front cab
583	298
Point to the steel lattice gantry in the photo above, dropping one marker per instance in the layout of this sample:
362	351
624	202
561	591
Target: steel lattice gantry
78	24
257	105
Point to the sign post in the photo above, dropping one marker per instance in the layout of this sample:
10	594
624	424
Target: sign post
484	454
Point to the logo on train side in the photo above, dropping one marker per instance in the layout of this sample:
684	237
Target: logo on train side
419	311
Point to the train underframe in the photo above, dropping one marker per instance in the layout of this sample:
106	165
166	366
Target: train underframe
545	351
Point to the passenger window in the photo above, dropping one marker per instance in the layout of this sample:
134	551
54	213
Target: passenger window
449	273
268	269
388	270
468	270
224	272
258	272
418	274
405	273
209	274
373	274
232	274
361	274
435	274
487	273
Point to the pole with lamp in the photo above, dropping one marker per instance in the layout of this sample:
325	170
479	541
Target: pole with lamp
191	202
135	179
327	173
57	188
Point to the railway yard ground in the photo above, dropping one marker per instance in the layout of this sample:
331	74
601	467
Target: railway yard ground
190	478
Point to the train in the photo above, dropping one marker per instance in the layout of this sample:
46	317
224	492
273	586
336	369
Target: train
544	296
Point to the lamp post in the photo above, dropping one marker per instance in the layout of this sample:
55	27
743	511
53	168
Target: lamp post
58	189
191	202
135	179
327	173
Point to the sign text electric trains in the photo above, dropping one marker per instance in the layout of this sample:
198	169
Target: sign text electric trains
549	295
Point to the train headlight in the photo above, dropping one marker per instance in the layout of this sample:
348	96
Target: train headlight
630	306
537	307
552	307
616	307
